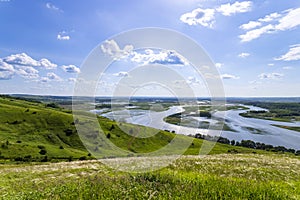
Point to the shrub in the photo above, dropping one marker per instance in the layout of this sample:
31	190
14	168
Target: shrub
41	147
45	159
82	158
68	132
43	151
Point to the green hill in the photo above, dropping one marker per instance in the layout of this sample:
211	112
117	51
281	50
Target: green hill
34	131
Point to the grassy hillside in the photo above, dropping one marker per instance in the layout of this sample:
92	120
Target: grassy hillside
238	176
33	131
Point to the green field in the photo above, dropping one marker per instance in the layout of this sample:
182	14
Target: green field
223	176
37	139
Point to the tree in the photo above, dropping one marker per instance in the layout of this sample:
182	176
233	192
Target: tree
43	151
232	142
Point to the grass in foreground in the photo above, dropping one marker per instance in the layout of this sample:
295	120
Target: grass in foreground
239	176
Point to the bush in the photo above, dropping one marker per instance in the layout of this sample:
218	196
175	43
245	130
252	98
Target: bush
41	147
43	151
68	132
82	158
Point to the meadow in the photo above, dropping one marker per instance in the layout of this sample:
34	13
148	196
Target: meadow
220	176
42	157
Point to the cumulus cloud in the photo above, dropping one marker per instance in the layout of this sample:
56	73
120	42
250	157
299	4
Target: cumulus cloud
111	48
148	56
292	54
167	57
5	66
53	76
53	7
6	70
243	55
70	68
121	74
271	23
199	16
250	25
63	36
237	7
27	72
273	75
206	17
229	76
23	59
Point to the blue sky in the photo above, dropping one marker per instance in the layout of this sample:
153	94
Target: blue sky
255	44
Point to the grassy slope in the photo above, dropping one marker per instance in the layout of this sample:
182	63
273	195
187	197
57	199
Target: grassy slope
222	176
239	176
26	125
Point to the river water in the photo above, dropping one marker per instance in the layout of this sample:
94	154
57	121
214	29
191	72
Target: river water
244	128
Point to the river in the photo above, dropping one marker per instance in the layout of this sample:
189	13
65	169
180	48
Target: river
244	127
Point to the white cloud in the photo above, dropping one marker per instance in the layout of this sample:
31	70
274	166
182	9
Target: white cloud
256	33
111	48
6	70
53	76
292	54
237	7
70	68
47	64
27	72
243	55
52	7
271	23
5	66
270	75
271	64
167	57
250	25
199	16
229	76
219	65
121	74
63	35
290	20
23	59
269	18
